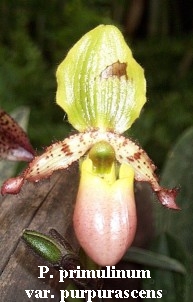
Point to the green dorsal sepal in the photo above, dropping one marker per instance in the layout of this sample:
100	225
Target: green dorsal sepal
100	85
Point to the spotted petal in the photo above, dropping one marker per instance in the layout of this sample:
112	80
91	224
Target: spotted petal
58	156
100	85
129	152
14	143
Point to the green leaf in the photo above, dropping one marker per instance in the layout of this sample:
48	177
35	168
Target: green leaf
72	286
146	257
178	171
100	85
175	287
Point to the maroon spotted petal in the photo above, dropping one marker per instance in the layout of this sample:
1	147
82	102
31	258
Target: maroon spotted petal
58	156
129	152
14	143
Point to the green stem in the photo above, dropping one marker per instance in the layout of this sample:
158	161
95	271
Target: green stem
88	264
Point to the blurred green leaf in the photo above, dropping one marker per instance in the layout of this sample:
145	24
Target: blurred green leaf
178	171
72	286
175	287
146	257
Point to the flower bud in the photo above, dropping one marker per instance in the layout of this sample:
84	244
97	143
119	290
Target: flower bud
44	246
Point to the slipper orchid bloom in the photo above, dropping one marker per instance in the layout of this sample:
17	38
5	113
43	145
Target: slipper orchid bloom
102	89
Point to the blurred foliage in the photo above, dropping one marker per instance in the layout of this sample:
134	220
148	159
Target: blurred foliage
176	287
169	110
34	38
178	172
175	229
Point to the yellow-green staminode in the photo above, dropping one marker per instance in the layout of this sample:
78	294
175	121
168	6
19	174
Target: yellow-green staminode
100	85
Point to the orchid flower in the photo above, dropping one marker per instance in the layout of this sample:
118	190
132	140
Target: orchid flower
102	89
